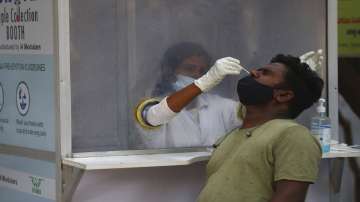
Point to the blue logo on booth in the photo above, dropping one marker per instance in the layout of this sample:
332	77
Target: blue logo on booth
22	98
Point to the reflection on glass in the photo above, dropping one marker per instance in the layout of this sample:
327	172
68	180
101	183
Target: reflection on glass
118	52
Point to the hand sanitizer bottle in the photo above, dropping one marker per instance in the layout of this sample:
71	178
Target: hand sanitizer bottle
321	127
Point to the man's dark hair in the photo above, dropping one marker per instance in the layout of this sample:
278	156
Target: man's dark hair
172	58
304	82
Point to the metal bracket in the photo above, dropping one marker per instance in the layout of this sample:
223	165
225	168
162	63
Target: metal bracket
70	180
336	166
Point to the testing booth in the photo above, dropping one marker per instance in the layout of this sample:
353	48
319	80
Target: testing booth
72	73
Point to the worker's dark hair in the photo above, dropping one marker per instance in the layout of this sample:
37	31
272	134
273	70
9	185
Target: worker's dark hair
172	58
304	82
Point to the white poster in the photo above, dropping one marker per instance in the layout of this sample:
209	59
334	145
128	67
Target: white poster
27	99
27	74
26	27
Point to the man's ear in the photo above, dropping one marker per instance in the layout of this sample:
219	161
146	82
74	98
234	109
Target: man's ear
283	96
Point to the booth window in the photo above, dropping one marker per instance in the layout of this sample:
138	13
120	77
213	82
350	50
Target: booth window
124	52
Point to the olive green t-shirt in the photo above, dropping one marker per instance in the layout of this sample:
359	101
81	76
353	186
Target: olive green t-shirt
245	165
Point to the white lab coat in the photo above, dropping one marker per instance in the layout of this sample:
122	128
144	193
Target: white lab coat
212	117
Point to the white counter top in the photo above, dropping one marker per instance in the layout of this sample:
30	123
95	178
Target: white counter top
137	161
341	151
171	159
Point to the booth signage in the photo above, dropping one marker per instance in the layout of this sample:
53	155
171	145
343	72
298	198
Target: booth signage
24	179
28	183
27	99
349	28
26	74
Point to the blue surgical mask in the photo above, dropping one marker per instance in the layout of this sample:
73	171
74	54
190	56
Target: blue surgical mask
182	81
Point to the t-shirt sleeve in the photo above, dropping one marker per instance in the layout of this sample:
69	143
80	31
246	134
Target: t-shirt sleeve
297	156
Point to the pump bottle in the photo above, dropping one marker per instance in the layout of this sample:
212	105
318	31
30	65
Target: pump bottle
321	127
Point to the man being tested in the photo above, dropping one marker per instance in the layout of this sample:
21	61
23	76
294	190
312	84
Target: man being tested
271	157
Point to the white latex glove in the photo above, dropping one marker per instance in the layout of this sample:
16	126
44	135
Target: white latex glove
313	59
221	68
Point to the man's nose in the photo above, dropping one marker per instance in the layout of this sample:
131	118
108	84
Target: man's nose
254	73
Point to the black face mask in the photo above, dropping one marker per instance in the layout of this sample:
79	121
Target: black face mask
251	92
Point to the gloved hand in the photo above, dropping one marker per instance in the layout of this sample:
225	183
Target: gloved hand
221	68
313	59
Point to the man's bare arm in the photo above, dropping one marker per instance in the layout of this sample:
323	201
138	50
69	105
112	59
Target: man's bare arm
290	191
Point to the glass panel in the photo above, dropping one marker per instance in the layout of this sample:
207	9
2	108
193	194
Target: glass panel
118	46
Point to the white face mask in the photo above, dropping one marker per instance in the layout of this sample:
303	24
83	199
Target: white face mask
182	81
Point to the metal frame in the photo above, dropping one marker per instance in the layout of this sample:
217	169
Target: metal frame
67	178
57	59
63	22
332	71
336	165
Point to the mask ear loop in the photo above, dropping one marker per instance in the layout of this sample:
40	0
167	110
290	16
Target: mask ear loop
293	94
283	86
285	113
